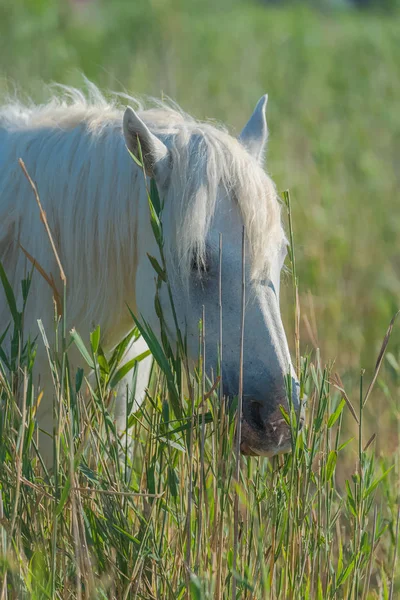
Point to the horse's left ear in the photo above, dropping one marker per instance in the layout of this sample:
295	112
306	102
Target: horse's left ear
154	151
255	133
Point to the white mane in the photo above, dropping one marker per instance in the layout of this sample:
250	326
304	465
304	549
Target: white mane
77	140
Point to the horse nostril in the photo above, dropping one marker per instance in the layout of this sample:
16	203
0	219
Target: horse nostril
255	415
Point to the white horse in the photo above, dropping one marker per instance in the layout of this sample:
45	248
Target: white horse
75	149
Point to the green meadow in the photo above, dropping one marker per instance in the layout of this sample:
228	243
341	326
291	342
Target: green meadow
171	520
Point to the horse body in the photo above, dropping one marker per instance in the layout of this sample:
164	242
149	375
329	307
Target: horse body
95	199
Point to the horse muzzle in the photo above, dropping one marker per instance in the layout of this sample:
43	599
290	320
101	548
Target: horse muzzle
267	434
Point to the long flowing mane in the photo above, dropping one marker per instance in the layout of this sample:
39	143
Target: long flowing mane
76	140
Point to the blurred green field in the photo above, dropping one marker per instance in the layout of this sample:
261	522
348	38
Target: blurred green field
333	79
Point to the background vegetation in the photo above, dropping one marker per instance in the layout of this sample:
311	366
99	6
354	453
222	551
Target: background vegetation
332	74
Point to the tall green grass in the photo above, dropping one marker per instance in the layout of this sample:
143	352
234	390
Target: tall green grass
333	84
155	517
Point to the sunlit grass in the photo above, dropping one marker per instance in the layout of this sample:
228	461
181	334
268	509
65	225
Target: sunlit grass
151	514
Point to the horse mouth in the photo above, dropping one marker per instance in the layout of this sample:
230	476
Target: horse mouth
267	438
246	450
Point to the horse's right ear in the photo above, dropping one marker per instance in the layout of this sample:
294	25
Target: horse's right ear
153	150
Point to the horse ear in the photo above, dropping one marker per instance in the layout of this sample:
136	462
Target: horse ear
153	150
255	133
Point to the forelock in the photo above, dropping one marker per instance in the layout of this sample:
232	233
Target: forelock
204	158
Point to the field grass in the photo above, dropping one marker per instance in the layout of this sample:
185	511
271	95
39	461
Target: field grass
312	524
176	512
